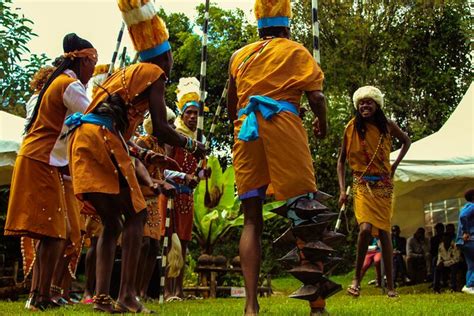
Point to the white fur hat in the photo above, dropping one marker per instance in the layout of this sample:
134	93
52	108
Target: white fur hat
368	92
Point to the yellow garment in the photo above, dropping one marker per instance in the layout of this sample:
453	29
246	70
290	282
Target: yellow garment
283	70
98	154
372	199
272	8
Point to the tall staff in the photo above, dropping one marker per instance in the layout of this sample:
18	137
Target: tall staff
316	52
202	81
117	47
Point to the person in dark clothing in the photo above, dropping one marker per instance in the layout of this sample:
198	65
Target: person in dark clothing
399	250
434	246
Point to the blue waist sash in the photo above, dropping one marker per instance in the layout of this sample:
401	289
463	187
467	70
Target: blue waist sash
268	107
77	119
372	178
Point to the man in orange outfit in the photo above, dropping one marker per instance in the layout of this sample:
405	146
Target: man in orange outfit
267	80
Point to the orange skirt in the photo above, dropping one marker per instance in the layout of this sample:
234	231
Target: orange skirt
93	226
74	219
97	156
280	157
182	216
152	227
37	204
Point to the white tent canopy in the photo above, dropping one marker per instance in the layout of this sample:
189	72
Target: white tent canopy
11	130
437	167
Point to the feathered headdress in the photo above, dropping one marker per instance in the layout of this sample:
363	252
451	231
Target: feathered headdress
147	30
271	13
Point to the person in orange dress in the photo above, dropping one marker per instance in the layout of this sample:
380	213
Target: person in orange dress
103	172
267	80
366	146
152	230
37	205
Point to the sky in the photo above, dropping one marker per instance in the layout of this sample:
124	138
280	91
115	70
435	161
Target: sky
98	21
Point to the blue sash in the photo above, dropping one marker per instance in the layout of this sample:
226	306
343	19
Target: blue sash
77	119
268	107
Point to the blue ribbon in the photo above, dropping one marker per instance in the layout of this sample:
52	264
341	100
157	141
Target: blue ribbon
268	107
77	119
372	178
274	21
188	104
155	51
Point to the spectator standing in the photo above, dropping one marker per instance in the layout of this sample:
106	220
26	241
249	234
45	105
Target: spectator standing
465	239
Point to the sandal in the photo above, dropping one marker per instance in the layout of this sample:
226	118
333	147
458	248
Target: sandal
392	294
122	309
354	290
103	303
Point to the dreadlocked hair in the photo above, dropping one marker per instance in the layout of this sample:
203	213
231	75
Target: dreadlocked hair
114	106
380	120
71	42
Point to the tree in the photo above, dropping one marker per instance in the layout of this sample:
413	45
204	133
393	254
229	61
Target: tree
15	33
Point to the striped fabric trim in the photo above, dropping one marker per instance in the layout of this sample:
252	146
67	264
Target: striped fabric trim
144	13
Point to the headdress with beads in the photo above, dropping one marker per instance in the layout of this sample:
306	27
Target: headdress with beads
272	13
147	30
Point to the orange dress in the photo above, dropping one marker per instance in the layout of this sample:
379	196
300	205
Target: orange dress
37	204
183	213
96	153
152	227
372	187
281	69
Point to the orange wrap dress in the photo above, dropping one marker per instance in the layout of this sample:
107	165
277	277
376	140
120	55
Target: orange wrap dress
372	184
183	216
280	69
152	227
37	204
96	153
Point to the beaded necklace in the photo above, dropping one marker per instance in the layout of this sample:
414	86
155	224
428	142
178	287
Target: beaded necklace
359	178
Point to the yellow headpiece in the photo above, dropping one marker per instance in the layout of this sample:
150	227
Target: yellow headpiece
147	30
270	13
187	94
99	76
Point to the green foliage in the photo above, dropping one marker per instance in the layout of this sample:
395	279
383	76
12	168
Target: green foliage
413	301
213	222
15	33
417	52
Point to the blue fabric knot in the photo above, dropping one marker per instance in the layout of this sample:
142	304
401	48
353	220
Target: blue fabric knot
77	119
268	107
372	178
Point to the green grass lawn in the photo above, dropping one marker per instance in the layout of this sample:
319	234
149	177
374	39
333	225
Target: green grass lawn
413	300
